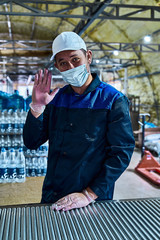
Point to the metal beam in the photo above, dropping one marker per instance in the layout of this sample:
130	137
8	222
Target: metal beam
44	45
30	65
133	12
122	12
9	23
115	62
34	61
93	13
142	75
33	28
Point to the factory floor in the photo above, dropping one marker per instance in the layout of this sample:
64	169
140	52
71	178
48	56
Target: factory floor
129	186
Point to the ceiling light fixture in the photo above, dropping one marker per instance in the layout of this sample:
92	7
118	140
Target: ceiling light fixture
147	38
116	52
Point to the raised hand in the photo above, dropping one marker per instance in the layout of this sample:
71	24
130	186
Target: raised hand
41	90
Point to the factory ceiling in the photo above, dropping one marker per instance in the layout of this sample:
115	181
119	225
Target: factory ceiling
27	29
115	31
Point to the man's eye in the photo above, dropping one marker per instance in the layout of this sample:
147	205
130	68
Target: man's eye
75	59
62	63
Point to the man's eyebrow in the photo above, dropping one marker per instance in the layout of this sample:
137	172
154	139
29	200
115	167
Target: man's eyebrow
61	59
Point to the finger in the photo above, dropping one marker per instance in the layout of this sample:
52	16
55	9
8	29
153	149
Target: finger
58	207
54	92
71	206
46	75
59	203
36	80
40	76
67	205
54	206
64	202
48	81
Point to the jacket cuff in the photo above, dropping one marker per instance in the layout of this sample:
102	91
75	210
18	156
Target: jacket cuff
97	191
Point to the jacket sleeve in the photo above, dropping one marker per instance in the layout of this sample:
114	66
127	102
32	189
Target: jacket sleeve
35	131
119	147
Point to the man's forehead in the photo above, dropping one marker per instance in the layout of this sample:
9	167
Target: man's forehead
68	54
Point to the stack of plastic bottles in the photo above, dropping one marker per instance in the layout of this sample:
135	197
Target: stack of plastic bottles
4	97
12	166
14	101
12	121
16	165
36	161
16	161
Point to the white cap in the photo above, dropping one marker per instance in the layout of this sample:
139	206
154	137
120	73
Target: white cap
67	41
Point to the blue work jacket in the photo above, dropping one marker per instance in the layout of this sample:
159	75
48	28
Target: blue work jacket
90	140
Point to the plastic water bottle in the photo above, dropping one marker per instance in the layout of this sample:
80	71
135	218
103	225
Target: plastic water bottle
2	141
3	124
15	142
21	177
43	166
9	143
38	167
16	101
12	173
22	119
15	122
29	166
5	142
9	121
34	163
3	166
21	141
4	100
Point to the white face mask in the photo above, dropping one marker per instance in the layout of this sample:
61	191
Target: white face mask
76	76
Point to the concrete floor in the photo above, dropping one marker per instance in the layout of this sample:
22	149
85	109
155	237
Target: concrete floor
131	185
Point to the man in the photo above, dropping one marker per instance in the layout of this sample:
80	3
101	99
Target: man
87	124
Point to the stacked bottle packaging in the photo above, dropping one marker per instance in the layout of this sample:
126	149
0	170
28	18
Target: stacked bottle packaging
12	165
12	149
14	101
36	162
12	121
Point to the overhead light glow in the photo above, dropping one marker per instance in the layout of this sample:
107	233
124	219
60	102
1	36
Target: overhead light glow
116	53
147	38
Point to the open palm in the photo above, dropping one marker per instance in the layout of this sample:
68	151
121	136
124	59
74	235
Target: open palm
41	90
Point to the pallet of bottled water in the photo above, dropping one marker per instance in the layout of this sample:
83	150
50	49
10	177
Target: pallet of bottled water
12	166
16	165
12	121
16	161
36	161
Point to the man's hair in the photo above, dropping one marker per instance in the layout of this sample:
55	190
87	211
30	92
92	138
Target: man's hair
84	51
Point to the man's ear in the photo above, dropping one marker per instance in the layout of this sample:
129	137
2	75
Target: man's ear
89	56
55	64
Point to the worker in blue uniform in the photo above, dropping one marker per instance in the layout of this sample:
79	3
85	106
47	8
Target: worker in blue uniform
87	125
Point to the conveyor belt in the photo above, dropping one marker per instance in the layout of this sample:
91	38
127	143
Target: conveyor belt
125	219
